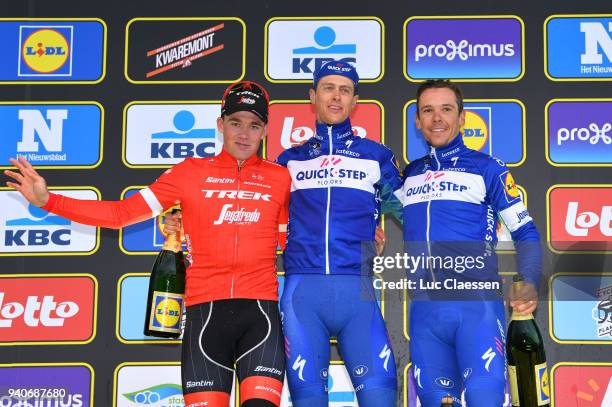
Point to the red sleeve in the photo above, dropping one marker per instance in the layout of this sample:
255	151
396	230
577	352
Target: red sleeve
283	216
149	202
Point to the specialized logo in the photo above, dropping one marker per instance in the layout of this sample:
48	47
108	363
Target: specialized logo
579	132
184	50
298	366
52	134
464	48
579	218
69	384
298	47
149	385
44	50
295	122
495	128
29	230
583	383
488	357
578	47
416	371
159	135
47	309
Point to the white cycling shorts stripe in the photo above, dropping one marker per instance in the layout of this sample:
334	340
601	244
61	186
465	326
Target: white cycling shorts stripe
334	171
152	201
444	186
515	216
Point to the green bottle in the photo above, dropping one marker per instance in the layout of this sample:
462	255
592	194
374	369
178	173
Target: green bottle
528	375
165	300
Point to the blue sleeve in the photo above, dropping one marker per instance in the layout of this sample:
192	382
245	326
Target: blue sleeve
506	200
390	186
283	158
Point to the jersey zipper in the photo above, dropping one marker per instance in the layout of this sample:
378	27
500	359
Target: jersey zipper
329	135
433	277
236	233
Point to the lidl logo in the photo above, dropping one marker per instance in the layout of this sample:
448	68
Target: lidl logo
157	134
543	385
46	50
52	134
168	310
510	187
28	230
297	47
493	127
578	47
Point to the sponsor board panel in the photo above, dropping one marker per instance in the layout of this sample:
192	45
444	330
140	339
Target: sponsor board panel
53	51
492	126
581	308
578	132
297	47
464	48
577	384
578	47
132	290
27	230
160	134
48	309
37	384
185	50
52	135
579	218
294	121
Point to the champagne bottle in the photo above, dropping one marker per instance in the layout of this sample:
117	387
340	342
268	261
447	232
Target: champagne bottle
527	370
166	295
447	401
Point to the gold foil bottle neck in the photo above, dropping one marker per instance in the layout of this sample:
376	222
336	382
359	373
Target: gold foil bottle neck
172	243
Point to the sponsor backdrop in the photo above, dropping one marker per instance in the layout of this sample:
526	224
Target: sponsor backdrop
76	100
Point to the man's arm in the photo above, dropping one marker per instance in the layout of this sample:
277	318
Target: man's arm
110	214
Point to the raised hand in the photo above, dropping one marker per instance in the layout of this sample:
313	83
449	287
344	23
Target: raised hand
31	185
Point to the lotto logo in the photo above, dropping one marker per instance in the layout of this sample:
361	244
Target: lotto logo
579	217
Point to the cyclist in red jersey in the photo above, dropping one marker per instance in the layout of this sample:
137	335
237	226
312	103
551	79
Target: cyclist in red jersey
234	208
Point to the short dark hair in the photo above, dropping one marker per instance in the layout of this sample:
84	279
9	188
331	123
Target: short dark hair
441	83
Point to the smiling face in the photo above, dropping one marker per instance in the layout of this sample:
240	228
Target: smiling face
334	99
242	133
438	116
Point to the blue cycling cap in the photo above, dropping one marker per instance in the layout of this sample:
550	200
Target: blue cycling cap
336	68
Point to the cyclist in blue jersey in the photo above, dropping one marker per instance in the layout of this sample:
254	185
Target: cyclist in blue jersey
341	183
453	197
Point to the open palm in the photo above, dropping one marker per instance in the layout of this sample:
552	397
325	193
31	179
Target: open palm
31	185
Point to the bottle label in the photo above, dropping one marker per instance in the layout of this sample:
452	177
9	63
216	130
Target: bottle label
542	387
514	394
166	312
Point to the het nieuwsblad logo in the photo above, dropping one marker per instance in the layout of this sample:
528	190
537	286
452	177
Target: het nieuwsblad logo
53	50
464	48
47	309
185	50
297	47
578	47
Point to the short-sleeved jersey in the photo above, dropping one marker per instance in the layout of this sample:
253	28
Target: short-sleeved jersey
231	217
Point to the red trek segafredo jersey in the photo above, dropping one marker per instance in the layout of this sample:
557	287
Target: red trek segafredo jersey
231	216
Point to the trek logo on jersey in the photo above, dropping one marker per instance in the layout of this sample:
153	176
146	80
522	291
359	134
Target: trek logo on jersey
579	132
53	134
35	385
47	309
138	384
495	128
29	230
592	381
46	50
297	47
184	50
464	48
159	135
579	218
295	122
578	47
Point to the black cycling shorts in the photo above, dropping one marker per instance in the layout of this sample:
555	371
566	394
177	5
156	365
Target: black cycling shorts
224	336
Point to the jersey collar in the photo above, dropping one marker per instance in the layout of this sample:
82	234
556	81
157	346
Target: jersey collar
339	131
450	150
226	158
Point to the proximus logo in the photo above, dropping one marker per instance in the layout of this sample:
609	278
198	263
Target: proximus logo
462	50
